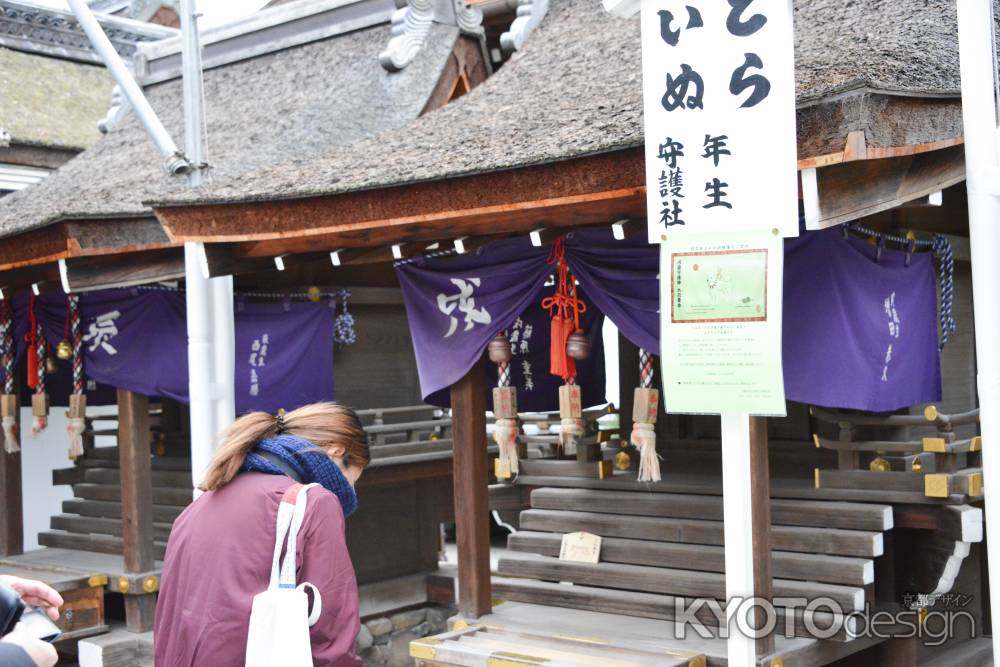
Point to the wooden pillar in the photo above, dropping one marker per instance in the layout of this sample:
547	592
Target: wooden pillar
11	503
472	513
760	491
137	503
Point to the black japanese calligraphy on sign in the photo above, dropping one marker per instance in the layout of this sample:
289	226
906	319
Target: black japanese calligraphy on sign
670	151
735	23
717	194
671	214
740	81
672	37
715	147
677	90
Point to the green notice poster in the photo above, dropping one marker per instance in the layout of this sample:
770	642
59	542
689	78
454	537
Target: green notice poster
721	331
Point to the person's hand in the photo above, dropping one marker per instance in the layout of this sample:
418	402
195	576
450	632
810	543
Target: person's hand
35	594
41	653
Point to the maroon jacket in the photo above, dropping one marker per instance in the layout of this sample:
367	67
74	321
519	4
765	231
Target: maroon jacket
219	557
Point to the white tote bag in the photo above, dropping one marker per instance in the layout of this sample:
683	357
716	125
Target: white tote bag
280	618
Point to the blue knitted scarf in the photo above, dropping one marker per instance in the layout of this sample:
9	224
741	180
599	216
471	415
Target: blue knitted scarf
310	466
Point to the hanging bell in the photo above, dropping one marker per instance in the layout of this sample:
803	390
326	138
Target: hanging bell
499	349
64	350
578	345
51	365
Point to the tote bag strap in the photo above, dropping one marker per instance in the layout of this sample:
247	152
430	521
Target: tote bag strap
286	578
286	510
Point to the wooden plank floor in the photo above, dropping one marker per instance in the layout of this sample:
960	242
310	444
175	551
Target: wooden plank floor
57	566
650	635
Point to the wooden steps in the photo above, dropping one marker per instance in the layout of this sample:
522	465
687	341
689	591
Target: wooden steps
865	544
73	523
113	510
659	550
678	582
178	497
639	604
106	544
92	520
819	514
706	558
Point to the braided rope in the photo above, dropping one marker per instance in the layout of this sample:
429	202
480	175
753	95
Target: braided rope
645	369
945	258
7	340
77	339
503	374
40	356
946	280
427	255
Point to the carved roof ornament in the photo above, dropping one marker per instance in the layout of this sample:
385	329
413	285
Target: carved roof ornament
55	32
412	24
120	108
529	14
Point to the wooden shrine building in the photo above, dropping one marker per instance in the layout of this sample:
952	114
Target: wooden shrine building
268	102
880	134
866	509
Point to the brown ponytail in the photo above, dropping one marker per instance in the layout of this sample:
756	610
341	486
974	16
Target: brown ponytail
326	425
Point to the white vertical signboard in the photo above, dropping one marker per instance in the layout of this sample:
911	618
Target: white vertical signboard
722	191
719	106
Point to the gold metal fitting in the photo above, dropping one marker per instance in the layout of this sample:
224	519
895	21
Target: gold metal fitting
879	464
123	584
151	584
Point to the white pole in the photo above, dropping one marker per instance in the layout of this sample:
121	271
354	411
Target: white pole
209	301
225	353
737	523
200	364
176	164
979	114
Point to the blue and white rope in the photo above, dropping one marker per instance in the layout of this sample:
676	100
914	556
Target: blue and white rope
945	258
343	325
946	280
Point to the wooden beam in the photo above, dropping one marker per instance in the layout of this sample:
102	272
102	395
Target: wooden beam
471	479
465	69
760	491
851	191
105	272
137	502
11	511
77	238
587	190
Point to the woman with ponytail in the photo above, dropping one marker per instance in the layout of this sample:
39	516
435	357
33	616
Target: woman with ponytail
220	549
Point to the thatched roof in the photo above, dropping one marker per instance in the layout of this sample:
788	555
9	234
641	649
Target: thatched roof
575	90
293	104
50	102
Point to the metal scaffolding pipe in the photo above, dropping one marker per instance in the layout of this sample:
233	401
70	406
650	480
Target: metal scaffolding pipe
176	162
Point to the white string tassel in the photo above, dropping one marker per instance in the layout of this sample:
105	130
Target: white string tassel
76	427
505	435
10	443
644	438
569	433
39	425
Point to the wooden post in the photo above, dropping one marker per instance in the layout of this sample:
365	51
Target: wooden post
11	510
137	503
746	526
760	492
472	514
